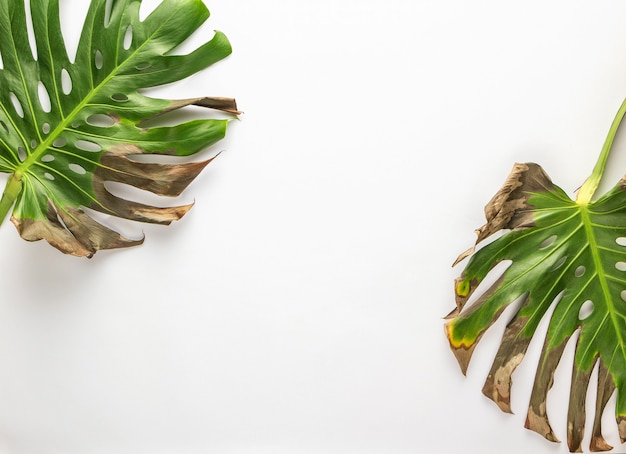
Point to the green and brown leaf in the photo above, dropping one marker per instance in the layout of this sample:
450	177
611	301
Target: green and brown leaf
67	128
565	254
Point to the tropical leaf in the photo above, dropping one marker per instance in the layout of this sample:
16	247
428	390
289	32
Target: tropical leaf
562	254
67	128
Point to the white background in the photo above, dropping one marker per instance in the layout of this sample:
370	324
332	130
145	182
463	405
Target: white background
297	308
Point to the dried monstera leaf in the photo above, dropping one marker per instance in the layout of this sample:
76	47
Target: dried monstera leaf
562	254
69	127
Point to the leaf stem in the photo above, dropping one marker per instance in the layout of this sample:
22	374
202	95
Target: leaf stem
591	184
11	191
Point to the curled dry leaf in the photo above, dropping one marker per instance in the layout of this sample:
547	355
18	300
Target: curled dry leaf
69	127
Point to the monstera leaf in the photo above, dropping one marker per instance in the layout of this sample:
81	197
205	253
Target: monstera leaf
561	254
68	128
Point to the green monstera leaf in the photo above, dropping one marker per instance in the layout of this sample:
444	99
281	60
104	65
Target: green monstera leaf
67	128
560	254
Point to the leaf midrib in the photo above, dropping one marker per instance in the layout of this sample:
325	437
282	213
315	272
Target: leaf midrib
601	275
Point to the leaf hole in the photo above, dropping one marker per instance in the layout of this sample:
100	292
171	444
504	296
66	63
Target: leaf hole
59	143
101	120
621	240
580	271
45	128
47	158
4	126
143	66
621	266
119	97
495	273
30	30
585	310
33	144
49	176
77	169
145	10
1	62
17	105
44	97
85	145
128	37
548	242
21	153
98	60
623	295
559	263
66	82
107	12
133	193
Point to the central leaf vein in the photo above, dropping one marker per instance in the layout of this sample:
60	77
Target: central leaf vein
602	277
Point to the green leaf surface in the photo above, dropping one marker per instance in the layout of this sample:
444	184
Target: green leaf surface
70	126
562	254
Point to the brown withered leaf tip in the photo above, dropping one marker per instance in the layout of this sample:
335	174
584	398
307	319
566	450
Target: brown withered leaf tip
509	209
512	349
